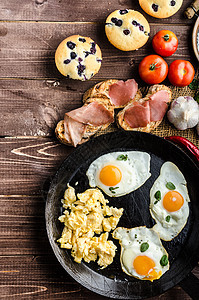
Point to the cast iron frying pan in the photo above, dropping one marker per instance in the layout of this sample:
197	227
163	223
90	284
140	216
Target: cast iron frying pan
183	250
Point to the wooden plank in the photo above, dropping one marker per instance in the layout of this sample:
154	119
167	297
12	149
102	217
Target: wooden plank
27	49
22	225
27	165
33	98
24	208
36	106
44	10
47	279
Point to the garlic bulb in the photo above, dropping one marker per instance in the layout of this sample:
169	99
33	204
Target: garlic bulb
184	113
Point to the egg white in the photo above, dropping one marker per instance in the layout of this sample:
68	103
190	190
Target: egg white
167	230
131	240
135	171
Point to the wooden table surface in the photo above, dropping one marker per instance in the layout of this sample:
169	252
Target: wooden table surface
33	97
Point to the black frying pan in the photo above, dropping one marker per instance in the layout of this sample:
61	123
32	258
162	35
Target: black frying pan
183	250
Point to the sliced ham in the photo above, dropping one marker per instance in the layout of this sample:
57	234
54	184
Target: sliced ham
157	110
152	110
77	120
161	96
158	105
94	114
137	115
66	131
75	129
122	92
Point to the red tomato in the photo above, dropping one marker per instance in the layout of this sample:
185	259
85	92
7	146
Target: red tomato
153	69
165	42
181	73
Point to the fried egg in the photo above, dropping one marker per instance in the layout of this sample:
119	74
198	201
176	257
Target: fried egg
169	202
142	253
119	173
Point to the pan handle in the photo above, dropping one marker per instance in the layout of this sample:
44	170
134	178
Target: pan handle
191	286
186	145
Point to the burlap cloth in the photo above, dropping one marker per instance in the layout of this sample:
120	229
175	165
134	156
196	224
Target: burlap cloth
166	128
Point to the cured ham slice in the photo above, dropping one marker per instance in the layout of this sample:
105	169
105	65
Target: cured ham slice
94	114
158	105
152	110
161	96
122	92
138	115
77	120
66	131
75	130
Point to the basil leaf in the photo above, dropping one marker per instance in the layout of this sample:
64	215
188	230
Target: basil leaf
168	218
194	84
170	186
196	97
164	260
122	157
158	195
111	189
144	247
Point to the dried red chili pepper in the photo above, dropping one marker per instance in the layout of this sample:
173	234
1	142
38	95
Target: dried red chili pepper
185	144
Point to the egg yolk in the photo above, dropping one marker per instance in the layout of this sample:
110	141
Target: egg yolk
173	201
144	266
110	175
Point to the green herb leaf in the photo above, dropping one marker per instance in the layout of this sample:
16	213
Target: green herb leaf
122	157
196	97
111	189
194	84
168	218
170	186
164	260
158	195
136	236
144	247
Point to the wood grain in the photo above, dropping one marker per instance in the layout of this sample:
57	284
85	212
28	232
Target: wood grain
38	105
28	164
47	280
33	97
32	55
44	10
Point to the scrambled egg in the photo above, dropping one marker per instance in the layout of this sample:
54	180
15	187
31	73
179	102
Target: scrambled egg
83	218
